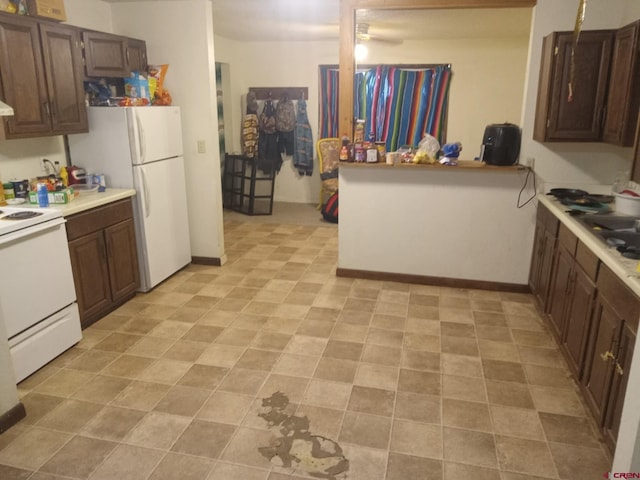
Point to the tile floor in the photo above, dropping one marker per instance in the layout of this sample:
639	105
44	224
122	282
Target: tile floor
412	382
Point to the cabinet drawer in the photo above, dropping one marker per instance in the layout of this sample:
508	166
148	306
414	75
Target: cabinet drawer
623	301
547	219
98	218
567	239
587	260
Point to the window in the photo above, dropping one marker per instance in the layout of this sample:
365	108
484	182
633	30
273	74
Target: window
399	103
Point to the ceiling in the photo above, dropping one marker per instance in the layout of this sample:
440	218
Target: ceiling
317	20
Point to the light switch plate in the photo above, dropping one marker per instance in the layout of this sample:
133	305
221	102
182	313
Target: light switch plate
202	146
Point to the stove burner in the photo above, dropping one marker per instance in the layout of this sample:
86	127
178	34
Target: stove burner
21	215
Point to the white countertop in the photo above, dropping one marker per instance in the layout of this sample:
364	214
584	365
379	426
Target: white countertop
87	201
624	268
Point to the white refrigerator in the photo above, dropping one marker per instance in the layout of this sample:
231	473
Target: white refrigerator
141	148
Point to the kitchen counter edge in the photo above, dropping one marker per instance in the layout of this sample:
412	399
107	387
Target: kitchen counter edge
624	268
85	202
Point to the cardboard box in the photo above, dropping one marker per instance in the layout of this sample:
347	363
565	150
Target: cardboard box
136	87
61	196
51	9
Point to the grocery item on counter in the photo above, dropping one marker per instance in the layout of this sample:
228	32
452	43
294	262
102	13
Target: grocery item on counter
136	86
157	72
8	191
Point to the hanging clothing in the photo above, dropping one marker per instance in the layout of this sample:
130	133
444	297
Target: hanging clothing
250	135
269	158
303	141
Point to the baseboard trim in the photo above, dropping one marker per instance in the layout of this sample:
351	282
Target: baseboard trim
217	262
11	417
436	281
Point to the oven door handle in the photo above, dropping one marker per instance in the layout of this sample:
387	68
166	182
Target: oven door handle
30	231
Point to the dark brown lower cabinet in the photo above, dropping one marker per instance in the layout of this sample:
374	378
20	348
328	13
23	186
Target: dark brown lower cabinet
578	320
104	259
611	341
543	253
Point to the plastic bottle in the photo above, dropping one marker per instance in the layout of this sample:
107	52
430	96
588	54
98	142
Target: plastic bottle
64	175
43	195
344	150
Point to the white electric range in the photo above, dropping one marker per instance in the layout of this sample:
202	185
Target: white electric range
37	294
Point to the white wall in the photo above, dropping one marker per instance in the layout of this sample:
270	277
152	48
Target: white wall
91	14
487	84
180	33
278	64
445	222
570	164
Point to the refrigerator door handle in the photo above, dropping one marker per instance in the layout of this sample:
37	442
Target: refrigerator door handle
147	209
140	137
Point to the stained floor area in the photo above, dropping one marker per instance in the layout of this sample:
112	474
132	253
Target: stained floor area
410	382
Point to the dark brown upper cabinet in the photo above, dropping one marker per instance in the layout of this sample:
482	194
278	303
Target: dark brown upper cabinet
623	98
560	116
108	55
41	78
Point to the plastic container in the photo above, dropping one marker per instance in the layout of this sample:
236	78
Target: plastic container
627	205
43	195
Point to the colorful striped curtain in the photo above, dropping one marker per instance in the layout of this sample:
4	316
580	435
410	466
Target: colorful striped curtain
328	110
399	105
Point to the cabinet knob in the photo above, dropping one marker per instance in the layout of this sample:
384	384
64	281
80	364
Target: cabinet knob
606	356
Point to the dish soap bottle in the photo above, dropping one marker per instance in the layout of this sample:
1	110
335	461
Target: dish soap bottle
64	176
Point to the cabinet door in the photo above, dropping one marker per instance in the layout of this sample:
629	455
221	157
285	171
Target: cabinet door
123	259
600	367
578	320
546	268
137	55
635	167
536	260
619	385
105	55
623	97
63	65
573	112
23	79
559	293
90	275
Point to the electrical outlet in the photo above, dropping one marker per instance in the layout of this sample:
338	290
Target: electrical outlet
202	146
44	167
529	162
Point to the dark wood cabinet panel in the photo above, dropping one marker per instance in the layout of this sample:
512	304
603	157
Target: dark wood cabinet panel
560	289
543	256
623	98
137	55
619	386
573	112
578	320
23	81
104	258
90	275
601	359
635	167
105	54
63	64
108	55
123	259
41	78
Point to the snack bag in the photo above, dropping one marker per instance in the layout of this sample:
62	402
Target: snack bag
158	72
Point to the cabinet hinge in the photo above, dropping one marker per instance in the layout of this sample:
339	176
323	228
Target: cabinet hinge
548	122
555	51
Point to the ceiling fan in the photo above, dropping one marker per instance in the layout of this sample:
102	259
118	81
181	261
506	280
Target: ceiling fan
363	35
